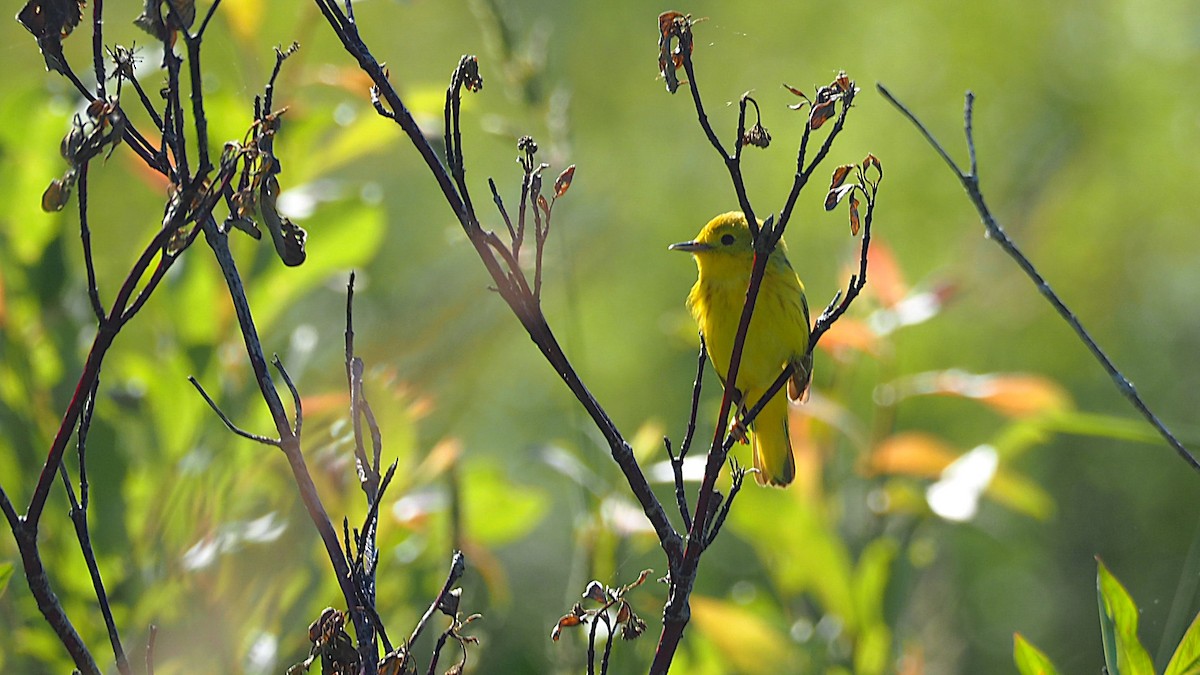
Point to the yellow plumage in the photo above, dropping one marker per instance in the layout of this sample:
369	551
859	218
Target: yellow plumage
778	333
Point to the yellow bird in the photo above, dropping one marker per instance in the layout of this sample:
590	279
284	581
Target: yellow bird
778	334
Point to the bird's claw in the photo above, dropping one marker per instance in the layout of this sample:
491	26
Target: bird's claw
738	431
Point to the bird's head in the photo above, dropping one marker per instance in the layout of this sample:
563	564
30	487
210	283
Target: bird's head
725	235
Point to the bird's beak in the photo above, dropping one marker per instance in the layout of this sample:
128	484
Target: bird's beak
690	246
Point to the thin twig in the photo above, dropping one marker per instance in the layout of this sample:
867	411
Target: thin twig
458	565
995	232
298	426
739	477
228	422
608	643
85	235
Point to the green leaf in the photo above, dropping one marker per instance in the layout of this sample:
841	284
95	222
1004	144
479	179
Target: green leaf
1123	653
1186	660
1029	659
871	577
496	513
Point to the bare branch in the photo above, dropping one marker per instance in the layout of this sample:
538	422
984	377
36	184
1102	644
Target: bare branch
995	232
228	422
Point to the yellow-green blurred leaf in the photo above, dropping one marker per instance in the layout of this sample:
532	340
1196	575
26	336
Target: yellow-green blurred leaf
873	648
1186	659
647	441
746	641
244	18
797	541
1123	652
1020	494
1029	659
496	511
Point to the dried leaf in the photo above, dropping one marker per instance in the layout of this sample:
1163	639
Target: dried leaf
641	577
673	26
624	611
162	18
795	91
567	621
50	21
448	605
837	194
872	161
563	182
839	175
855	222
58	193
545	205
594	591
288	237
820	114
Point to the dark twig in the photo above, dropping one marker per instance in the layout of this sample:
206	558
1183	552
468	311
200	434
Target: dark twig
228	422
739	477
970	182
98	46
437	652
608	643
298	426
458	565
85	235
732	162
685	446
78	513
288	442
591	654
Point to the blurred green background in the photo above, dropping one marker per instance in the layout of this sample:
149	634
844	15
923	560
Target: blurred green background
1086	123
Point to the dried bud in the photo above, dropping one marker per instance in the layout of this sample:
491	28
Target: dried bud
469	69
757	135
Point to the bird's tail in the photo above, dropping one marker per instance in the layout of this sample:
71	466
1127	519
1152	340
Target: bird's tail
772	448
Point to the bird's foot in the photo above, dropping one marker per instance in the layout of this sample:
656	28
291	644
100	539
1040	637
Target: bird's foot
738	431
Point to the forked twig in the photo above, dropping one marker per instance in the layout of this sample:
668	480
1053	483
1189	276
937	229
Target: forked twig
995	232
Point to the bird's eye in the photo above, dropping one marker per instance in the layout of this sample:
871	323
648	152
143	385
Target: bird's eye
727	239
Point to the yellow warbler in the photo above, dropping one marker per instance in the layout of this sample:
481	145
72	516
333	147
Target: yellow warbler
778	334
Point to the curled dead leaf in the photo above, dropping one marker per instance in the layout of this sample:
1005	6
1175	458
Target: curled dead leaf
563	182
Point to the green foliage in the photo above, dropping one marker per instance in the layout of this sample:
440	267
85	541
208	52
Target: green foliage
1123	651
1186	659
1030	660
